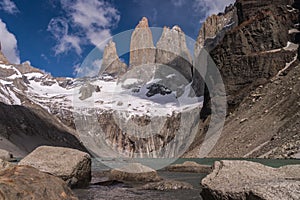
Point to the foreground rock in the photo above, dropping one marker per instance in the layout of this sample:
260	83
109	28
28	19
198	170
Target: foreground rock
134	172
167	185
189	166
71	165
5	155
25	182
5	165
237	180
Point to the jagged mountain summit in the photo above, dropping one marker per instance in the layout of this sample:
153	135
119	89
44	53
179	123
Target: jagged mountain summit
111	63
142	50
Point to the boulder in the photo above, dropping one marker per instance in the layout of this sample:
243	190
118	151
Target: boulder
134	172
4	165
189	166
73	166
142	50
237	180
5	155
25	182
167	185
111	64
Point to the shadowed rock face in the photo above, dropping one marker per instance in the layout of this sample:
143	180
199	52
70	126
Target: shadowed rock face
142	50
111	63
172	51
253	52
23	129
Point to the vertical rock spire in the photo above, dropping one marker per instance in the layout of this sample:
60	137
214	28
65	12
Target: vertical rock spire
111	64
3	59
142	50
172	51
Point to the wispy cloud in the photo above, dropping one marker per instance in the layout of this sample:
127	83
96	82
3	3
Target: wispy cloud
9	44
90	21
59	28
210	7
88	71
8	6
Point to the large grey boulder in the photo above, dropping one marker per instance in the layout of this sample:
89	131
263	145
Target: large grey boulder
243	180
142	50
189	166
168	185
111	64
5	165
25	182
5	155
71	165
134	172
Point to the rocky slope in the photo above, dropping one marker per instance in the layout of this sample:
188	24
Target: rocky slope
258	62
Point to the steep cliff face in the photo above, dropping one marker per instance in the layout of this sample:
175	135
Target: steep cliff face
111	64
214	28
173	52
258	63
255	50
142	50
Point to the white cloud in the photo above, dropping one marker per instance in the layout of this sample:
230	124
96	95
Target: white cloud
9	44
88	71
91	22
65	42
210	7
8	6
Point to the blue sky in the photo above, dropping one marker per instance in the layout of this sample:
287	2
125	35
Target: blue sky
56	35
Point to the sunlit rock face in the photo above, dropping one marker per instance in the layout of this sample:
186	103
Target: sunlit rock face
111	64
173	52
142	50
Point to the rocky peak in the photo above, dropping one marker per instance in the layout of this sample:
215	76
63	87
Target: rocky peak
111	64
3	59
214	28
143	23
172	51
142	50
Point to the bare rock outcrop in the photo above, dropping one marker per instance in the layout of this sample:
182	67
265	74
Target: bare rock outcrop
253	52
237	180
142	50
111	63
172	51
71	165
134	172
25	182
5	155
3	59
